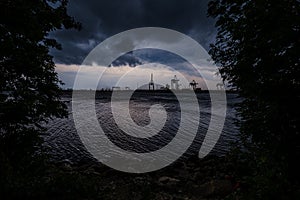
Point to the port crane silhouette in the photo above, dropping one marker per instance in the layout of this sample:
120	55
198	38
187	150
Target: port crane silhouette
151	83
193	84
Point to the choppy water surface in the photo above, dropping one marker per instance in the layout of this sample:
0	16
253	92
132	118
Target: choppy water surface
64	143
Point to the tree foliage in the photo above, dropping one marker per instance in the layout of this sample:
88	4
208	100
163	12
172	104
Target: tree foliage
257	49
29	91
29	85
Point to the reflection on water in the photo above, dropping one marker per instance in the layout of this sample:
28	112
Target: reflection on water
64	143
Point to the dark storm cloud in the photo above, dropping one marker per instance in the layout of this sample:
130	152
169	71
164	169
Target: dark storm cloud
103	18
150	55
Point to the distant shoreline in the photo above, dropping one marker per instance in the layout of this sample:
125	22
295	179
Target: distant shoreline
68	91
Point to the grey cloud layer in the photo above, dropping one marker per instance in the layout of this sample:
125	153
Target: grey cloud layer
104	18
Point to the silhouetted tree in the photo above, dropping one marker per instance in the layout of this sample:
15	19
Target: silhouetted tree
257	49
29	91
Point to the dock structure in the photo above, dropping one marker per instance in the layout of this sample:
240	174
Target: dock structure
116	88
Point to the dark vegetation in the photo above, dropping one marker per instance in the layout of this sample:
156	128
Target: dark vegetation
257	49
29	91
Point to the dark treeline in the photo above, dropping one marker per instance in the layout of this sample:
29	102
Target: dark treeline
257	48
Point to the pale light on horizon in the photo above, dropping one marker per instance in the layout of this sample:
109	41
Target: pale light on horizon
132	77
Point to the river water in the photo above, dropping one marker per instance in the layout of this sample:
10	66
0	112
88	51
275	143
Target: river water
63	141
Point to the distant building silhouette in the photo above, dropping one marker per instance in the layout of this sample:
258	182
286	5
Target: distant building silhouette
167	86
175	83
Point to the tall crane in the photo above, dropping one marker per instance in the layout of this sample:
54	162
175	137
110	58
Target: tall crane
151	83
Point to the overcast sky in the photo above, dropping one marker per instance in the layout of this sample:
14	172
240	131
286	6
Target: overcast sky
104	18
